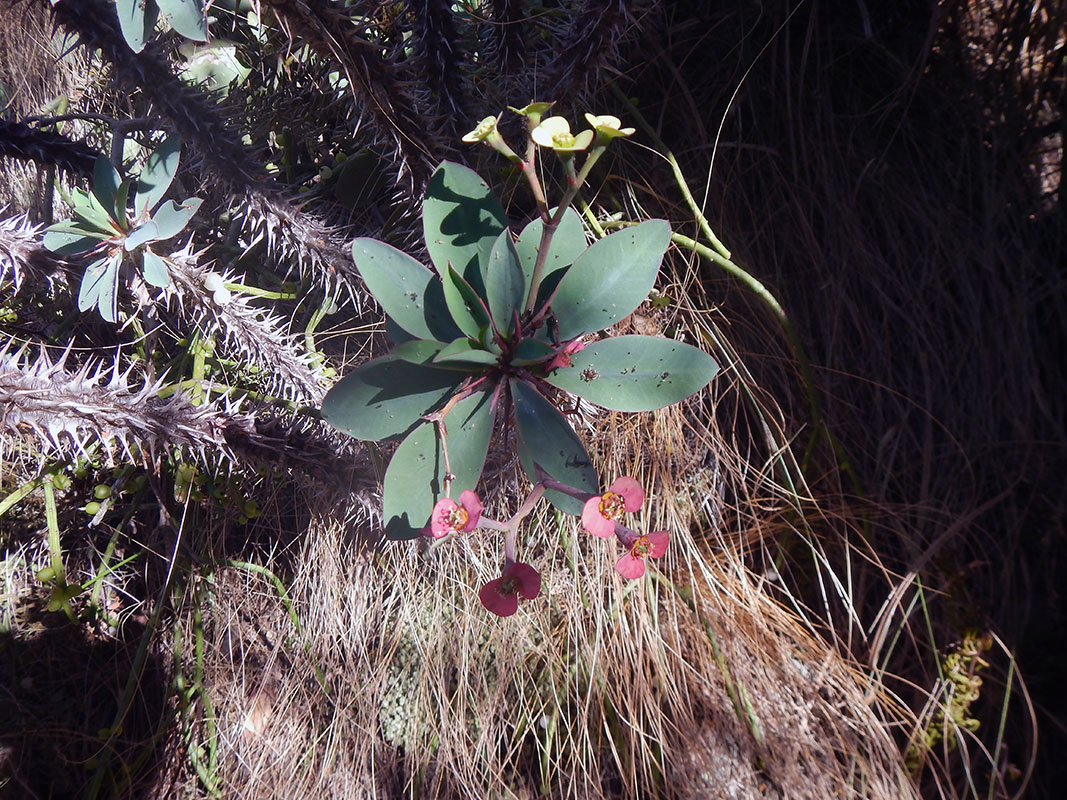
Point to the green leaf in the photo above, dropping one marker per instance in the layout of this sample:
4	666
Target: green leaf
505	284
187	17
147	231
136	21
172	218
100	285
157	174
531	351
89	210
408	292
70	238
415	476
106	184
465	351
544	436
466	307
417	351
635	373
155	270
460	220
395	333
386	397
610	279
568	242
214	65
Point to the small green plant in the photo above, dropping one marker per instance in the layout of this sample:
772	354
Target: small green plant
114	234
503	327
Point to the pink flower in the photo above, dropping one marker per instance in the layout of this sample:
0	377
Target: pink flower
632	565
599	513
451	517
501	596
563	357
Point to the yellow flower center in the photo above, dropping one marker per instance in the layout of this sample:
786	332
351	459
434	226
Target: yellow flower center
640	548
563	139
457	518
611	505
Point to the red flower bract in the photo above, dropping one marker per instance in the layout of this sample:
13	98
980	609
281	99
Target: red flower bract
599	513
654	545
448	516
501	596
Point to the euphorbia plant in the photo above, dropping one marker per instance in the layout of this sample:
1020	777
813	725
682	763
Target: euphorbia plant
117	223
507	325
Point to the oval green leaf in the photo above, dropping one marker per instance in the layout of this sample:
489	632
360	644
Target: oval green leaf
408	291
386	397
106	183
414	480
505	284
69	238
147	231
155	270
466	307
417	351
546	438
136	21
88	209
635	373
100	285
460	220
157	174
187	17
531	351
610	279
172	218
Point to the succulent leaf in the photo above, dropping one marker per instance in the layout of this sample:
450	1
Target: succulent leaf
408	291
466	307
461	220
386	397
505	283
71	238
547	439
187	17
172	218
136	21
157	174
106	183
610	279
99	287
635	373
531	351
155	270
89	210
417	351
147	231
465	351
415	477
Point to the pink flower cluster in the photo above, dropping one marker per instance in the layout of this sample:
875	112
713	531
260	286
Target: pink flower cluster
600	515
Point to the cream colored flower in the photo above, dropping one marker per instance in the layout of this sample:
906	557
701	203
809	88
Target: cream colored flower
608	126
555	132
485	129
